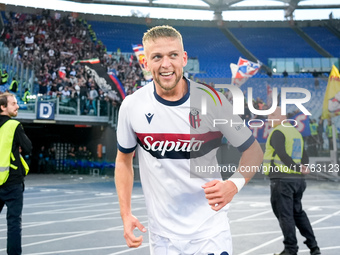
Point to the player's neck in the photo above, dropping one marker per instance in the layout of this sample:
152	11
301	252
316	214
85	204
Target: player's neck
174	94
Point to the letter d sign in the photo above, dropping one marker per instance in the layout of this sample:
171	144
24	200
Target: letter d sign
46	110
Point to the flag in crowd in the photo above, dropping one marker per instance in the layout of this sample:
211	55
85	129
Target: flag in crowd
139	52
107	82
243	71
75	40
331	102
62	73
118	84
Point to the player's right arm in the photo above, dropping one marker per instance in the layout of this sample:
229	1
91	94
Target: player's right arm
124	185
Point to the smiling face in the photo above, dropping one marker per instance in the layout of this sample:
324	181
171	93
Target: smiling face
165	58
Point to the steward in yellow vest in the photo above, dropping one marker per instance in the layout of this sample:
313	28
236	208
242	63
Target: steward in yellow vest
14	85
26	95
284	161
13	168
313	127
329	133
313	139
4	77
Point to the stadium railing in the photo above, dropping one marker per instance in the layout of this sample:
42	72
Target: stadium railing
67	110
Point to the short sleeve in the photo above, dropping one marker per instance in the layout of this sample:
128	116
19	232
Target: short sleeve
126	137
234	128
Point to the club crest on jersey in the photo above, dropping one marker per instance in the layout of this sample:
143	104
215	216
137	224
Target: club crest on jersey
194	118
149	117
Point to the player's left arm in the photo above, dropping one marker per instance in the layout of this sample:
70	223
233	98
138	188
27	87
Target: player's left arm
219	193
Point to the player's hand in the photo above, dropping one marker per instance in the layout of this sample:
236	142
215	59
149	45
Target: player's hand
304	170
219	193
130	223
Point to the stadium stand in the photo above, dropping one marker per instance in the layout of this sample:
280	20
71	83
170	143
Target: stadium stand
324	38
118	35
273	42
112	43
213	50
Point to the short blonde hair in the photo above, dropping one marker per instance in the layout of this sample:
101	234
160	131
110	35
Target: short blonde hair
161	32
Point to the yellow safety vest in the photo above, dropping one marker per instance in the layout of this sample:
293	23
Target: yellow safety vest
329	131
313	129
7	131
12	84
4	78
294	148
25	97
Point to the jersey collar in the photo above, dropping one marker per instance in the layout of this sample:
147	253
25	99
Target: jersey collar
172	103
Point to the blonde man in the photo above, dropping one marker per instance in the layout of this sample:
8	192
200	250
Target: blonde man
187	209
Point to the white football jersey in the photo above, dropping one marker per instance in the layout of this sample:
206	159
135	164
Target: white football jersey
175	140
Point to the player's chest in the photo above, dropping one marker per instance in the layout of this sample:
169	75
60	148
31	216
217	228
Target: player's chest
160	119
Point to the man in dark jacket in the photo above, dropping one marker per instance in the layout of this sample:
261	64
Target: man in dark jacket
13	168
284	162
14	85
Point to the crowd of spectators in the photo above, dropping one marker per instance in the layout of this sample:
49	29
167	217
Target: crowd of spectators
50	45
46	160
78	159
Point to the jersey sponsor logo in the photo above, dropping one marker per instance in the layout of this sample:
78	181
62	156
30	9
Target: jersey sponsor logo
179	146
194	118
149	117
164	146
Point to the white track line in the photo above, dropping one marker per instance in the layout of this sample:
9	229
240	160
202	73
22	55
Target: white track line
280	237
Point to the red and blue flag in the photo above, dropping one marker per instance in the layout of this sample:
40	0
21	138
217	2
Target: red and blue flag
243	71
